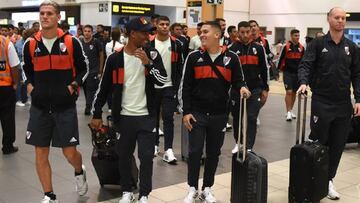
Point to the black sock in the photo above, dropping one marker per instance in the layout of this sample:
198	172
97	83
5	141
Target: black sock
51	195
80	173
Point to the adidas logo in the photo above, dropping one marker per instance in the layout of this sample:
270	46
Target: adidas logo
238	52
37	50
28	134
154	130
200	60
324	50
73	139
224	130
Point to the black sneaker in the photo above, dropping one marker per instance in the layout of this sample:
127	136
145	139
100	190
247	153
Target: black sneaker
10	150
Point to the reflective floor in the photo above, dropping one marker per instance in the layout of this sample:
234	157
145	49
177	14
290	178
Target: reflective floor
19	182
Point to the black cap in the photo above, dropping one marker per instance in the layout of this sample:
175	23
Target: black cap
139	24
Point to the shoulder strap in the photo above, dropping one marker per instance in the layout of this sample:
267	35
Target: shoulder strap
6	49
215	69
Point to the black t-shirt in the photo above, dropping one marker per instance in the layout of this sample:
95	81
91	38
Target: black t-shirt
92	50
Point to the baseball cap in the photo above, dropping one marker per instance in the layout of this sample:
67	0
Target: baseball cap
139	24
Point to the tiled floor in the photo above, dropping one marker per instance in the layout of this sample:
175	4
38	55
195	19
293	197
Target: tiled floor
19	182
347	182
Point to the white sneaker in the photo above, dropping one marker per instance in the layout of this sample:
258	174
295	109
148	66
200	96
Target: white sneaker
258	121
81	184
161	133
333	195
191	196
127	197
20	104
228	126
143	199
288	116
235	149
28	102
169	156
47	199
293	115
207	196
156	151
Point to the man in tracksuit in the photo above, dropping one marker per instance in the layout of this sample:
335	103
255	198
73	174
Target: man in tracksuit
290	56
165	99
330	64
93	49
130	75
257	37
253	62
54	65
203	98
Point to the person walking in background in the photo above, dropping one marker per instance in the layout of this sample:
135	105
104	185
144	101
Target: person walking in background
94	51
290	57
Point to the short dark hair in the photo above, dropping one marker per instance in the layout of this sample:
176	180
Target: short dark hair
51	3
101	25
243	24
163	18
34	23
220	19
214	24
294	31
183	26
172	27
88	26
254	21
154	16
65	25
200	24
230	28
11	26
115	34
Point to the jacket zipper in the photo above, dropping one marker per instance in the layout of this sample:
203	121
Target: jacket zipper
50	92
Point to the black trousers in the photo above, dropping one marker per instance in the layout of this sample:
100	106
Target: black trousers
134	129
165	102
90	86
253	109
212	129
7	116
330	124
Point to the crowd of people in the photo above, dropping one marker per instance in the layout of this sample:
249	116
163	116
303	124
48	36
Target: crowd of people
152	70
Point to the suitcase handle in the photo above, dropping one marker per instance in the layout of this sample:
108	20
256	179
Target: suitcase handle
300	124
243	125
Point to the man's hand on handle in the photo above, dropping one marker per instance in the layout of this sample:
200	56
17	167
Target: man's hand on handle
187	119
245	93
96	124
302	89
357	109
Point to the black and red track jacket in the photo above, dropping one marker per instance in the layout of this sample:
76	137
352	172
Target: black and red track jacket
177	61
201	90
112	82
51	73
290	57
253	62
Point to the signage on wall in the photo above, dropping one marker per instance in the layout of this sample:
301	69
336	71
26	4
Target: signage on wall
214	1
103	7
132	9
193	13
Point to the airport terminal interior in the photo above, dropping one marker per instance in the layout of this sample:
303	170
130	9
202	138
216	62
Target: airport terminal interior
19	182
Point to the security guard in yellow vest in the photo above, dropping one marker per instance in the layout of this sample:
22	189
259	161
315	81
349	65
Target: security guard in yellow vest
9	62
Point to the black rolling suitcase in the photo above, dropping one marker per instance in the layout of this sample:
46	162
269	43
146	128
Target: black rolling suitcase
105	159
308	166
249	174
